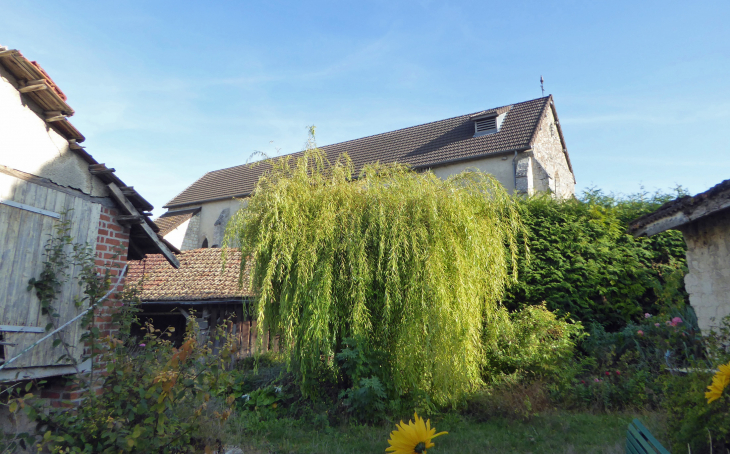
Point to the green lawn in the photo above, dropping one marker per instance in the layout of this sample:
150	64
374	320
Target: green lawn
547	433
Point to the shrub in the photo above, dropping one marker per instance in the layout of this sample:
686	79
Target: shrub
583	262
156	399
531	341
366	379
691	420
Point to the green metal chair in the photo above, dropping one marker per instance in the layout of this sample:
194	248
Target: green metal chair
640	441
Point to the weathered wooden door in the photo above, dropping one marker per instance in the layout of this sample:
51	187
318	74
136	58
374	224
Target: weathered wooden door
29	215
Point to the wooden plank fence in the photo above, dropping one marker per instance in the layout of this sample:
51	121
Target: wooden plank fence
27	222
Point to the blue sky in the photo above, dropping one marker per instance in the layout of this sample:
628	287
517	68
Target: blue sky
166	91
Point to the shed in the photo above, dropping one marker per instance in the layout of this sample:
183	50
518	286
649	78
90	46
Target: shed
203	286
47	176
704	220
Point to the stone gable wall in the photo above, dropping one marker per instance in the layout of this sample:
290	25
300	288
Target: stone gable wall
708	260
550	169
191	240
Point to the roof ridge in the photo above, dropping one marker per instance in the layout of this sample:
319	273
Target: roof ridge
188	187
427	144
371	135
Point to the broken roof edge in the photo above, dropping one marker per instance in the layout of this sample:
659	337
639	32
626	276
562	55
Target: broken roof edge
24	71
682	211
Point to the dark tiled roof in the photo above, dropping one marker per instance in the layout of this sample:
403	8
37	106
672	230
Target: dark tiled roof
199	277
422	146
687	204
172	219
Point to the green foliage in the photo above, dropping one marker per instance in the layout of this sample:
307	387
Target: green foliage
409	262
692	421
512	398
366	372
583	262
532	341
261	398
626	369
157	399
15	398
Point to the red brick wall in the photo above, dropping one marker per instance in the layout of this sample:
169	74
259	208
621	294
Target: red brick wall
112	244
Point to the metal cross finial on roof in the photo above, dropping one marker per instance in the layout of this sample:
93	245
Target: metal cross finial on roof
541	86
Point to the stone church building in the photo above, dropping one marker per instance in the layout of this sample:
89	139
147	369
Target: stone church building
521	145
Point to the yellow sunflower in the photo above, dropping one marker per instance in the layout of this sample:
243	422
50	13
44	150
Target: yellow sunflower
719	383
412	438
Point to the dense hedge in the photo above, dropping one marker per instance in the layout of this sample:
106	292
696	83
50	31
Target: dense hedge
583	262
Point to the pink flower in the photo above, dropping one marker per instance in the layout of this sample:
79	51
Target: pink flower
142	345
656	324
618	372
596	380
583	381
676	321
640	333
608	373
647	315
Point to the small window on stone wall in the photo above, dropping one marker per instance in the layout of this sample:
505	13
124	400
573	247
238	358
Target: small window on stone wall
205	243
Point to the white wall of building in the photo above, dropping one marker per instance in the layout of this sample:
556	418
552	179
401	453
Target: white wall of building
708	260
500	167
29	144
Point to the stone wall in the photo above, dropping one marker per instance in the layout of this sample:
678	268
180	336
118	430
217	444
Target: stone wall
708	259
549	166
191	241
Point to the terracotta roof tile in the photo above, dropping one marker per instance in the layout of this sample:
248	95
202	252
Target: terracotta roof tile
199	278
422	146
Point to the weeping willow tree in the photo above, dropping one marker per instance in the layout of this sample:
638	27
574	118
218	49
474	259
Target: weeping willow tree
409	262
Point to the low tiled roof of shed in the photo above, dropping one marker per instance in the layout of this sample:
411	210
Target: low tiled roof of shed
199	278
422	146
716	198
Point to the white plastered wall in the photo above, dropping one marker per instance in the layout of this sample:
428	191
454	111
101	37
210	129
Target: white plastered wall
500	167
193	234
29	144
177	235
708	260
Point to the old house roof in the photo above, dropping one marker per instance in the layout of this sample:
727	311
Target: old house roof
35	84
423	146
200	277
172	219
683	211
